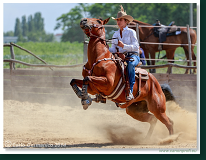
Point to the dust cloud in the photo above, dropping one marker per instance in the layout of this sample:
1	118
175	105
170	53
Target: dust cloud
185	129
35	123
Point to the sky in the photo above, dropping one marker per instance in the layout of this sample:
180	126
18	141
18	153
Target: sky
49	11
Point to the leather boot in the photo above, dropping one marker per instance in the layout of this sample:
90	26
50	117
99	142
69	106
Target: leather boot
130	96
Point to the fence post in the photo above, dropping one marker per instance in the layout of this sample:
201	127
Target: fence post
169	70
137	32
189	46
85	50
12	55
11	64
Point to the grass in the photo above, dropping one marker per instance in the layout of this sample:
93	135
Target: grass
66	53
179	55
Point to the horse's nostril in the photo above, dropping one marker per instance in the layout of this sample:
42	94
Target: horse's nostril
83	21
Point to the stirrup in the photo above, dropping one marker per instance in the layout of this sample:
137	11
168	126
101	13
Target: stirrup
130	97
160	47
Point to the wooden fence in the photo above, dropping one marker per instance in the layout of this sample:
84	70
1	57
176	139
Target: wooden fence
53	87
137	34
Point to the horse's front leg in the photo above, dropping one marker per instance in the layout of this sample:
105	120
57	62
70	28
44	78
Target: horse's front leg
86	99
97	84
83	94
76	83
93	85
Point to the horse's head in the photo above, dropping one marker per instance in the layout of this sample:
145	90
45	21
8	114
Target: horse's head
93	27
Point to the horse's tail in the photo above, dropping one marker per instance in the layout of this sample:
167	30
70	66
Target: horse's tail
193	36
168	92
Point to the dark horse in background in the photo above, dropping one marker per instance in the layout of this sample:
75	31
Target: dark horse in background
146	35
103	78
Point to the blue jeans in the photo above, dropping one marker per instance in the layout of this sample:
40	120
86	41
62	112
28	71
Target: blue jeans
131	70
142	56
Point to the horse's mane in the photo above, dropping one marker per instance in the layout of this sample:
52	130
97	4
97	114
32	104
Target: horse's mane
142	23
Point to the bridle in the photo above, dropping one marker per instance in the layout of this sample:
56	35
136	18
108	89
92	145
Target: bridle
90	71
90	31
92	35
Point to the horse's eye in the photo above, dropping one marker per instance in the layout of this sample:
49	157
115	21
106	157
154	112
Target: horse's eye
99	21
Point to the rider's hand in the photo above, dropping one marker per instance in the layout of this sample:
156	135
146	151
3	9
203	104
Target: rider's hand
140	51
120	44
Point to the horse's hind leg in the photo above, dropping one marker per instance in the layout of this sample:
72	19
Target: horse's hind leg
134	112
193	58
146	53
170	55
152	55
159	112
167	121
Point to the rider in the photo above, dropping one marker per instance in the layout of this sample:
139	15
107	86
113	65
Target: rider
125	40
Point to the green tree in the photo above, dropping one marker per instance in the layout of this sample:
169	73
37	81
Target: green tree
17	30
31	30
24	26
69	23
145	12
38	22
30	24
21	38
34	36
105	10
9	33
48	37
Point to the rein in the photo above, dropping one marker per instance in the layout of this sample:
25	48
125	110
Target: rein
105	59
92	35
90	71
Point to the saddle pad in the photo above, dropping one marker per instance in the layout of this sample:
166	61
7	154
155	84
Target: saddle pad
142	71
144	74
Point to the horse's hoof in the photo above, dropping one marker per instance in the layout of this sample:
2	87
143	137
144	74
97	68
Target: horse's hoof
85	107
86	103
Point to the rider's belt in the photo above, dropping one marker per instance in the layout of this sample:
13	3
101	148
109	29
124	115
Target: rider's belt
131	53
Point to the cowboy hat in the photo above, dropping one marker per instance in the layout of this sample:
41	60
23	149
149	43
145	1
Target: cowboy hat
123	14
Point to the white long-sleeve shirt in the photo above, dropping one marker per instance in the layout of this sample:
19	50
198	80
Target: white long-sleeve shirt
128	38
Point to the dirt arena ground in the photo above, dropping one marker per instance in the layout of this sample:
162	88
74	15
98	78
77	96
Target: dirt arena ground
34	125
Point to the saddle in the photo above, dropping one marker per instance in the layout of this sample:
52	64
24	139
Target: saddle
122	66
173	30
143	72
163	32
140	74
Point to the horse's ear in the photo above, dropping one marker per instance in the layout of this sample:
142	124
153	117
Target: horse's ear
106	21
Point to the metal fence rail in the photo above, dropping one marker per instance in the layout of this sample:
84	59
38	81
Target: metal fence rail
137	33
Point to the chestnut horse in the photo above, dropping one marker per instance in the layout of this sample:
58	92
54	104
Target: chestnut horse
146	35
102	76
